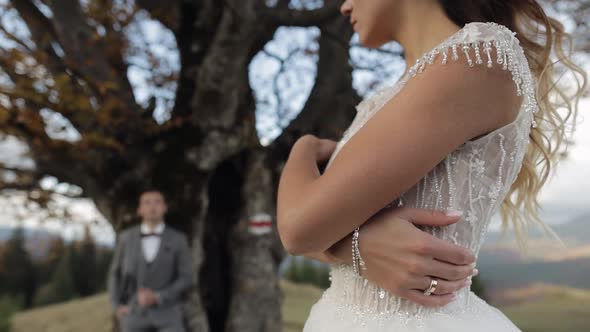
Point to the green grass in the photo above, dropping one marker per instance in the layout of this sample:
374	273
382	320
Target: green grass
91	314
556	309
297	304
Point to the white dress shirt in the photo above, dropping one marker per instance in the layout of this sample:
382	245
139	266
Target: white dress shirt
151	244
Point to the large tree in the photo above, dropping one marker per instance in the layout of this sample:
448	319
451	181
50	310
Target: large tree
67	93
72	68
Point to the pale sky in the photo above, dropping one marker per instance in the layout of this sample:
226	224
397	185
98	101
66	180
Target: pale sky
569	190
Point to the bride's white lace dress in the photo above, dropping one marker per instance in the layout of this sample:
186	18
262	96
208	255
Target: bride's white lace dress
474	178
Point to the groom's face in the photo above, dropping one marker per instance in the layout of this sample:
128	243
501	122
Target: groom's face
152	206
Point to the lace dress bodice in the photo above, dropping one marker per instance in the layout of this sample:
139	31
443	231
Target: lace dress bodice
474	178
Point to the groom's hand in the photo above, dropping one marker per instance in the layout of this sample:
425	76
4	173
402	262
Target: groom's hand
146	297
122	311
402	259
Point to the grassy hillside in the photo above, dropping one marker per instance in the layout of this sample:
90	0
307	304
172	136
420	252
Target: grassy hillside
539	308
298	302
550	308
91	314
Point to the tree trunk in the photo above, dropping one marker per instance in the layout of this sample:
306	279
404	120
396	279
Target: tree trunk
255	294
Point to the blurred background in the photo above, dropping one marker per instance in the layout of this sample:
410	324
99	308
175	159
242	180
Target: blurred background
203	99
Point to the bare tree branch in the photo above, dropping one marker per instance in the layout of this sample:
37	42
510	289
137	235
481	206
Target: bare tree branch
13	38
25	90
41	29
167	12
86	53
284	16
332	92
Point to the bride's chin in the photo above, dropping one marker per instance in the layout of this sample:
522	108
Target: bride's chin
367	39
362	39
368	42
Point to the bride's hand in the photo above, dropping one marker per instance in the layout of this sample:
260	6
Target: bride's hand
402	259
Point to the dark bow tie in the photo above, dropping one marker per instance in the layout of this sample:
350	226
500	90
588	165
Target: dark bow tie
150	234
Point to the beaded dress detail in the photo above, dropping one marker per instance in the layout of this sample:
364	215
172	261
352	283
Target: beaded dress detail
474	178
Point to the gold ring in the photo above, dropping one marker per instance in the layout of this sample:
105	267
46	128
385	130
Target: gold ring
431	288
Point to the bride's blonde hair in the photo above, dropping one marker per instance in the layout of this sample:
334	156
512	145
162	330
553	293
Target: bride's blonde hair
548	48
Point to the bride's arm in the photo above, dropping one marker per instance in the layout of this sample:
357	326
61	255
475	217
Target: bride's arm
401	258
338	253
329	258
431	116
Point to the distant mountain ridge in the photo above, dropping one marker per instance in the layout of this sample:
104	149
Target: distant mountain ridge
503	267
574	232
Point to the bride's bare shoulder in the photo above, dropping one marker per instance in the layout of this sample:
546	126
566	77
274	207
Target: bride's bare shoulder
483	66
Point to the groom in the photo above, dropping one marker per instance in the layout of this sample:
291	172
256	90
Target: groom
150	271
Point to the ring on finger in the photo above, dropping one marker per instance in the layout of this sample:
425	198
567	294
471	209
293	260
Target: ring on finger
432	288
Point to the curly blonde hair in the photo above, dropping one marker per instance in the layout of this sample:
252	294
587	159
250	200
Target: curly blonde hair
549	49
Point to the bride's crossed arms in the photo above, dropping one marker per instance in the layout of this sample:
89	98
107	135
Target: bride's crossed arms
430	117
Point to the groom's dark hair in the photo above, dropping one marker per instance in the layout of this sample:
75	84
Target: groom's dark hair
151	189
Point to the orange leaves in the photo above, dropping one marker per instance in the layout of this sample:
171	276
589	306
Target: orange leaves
96	140
4	116
32	121
105	86
70	95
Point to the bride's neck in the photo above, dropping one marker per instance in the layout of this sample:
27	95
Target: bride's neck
422	26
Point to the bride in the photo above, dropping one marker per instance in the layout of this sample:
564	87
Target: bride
403	206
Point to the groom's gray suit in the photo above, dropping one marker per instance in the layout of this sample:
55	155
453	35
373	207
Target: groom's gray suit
169	275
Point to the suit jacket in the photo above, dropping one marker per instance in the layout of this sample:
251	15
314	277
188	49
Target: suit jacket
170	274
